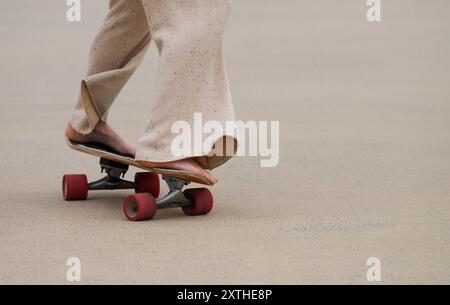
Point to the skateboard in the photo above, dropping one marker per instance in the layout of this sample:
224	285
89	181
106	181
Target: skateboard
143	204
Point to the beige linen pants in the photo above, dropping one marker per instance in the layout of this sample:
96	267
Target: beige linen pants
191	77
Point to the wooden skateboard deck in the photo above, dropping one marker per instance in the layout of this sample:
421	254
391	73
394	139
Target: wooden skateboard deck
102	151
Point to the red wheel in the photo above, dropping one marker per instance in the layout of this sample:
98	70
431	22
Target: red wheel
201	199
140	206
147	182
74	187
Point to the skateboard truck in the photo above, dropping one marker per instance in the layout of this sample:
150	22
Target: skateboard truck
175	197
112	180
115	171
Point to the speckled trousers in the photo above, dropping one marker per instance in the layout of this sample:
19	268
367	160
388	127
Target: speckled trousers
191	77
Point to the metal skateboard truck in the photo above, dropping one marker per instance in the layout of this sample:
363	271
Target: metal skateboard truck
115	171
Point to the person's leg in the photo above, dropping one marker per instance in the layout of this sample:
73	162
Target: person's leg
192	78
115	54
111	66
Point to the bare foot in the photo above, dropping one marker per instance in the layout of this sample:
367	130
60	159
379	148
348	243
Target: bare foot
103	134
188	165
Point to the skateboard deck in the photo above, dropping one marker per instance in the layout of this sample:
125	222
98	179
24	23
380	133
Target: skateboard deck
102	151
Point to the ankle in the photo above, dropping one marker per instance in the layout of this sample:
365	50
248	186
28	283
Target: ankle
102	128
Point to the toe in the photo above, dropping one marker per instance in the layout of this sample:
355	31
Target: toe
209	176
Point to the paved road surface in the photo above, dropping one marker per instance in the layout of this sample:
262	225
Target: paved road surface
364	166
